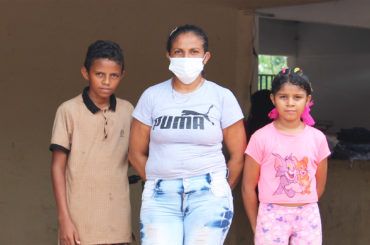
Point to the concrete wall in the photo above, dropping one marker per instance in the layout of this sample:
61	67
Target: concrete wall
336	60
278	37
340	12
345	209
43	44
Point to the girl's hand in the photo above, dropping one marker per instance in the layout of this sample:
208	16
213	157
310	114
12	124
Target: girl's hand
68	233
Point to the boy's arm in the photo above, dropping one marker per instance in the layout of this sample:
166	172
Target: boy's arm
235	141
321	175
251	175
68	232
139	146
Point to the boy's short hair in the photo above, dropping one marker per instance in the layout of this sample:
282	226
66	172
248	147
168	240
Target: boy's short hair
104	49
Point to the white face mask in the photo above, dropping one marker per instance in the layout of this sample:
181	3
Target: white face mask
186	69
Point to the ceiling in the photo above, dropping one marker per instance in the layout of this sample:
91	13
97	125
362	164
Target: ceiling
240	4
254	4
341	12
354	13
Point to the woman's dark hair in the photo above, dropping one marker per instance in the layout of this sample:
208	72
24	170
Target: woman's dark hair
185	29
261	105
104	49
293	76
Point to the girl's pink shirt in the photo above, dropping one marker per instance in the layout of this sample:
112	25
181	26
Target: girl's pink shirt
288	163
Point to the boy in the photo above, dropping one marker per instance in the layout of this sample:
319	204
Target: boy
89	155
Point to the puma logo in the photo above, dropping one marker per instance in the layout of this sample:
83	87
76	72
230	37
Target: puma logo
187	120
194	113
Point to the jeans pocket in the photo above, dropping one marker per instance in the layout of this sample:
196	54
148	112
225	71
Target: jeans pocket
220	188
148	191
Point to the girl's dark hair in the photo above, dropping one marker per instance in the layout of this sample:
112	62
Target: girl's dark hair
293	76
104	49
185	29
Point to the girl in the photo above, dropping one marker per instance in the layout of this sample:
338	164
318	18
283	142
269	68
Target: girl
175	144
288	160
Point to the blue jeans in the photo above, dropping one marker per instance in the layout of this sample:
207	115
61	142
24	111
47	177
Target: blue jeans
188	211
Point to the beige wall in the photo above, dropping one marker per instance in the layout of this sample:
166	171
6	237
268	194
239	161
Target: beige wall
43	44
42	49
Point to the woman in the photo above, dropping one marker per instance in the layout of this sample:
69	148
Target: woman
175	145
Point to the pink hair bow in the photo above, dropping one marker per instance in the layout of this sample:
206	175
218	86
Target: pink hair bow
306	116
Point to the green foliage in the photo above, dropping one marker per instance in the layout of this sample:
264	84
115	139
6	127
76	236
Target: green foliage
268	67
271	64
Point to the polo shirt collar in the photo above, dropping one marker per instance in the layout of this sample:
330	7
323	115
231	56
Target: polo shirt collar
92	107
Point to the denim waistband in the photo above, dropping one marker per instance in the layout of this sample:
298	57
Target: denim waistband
210	175
188	184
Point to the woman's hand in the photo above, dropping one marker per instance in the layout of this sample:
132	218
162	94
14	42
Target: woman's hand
68	234
235	141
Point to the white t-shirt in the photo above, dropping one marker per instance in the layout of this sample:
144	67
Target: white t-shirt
186	129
